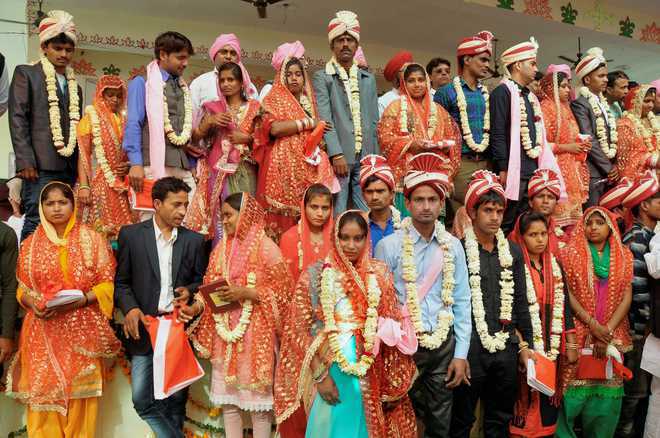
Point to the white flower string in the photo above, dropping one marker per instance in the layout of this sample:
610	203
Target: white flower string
403	118
532	152
557	322
99	152
445	316
465	121
498	341
645	133
184	137
609	149
352	88
331	288
222	320
54	109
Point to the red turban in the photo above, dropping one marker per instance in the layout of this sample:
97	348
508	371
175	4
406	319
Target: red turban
614	197
645	187
396	64
475	45
428	169
544	179
376	165
482	182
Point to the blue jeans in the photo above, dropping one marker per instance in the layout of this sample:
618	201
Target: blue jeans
165	417
350	185
30	197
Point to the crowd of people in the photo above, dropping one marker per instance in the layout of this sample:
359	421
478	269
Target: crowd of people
404	265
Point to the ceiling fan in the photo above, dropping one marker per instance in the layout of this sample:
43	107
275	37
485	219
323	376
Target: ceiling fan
262	5
578	56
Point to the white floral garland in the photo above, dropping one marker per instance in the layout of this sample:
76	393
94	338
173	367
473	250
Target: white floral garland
99	152
184	137
498	341
54	109
465	121
403	117
646	135
330	288
557	326
222	319
532	152
352	88
609	149
445	318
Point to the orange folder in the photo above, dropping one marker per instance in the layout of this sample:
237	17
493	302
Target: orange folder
141	201
542	374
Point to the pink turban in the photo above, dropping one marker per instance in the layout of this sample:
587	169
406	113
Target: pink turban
656	84
226	39
563	68
55	23
286	51
360	59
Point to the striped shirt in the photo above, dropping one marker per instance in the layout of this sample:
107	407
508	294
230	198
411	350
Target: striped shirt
638	239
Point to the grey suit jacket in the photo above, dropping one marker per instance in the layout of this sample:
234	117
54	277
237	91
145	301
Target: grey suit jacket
29	122
333	107
599	164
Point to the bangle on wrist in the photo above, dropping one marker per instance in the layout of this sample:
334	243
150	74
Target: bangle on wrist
336	157
299	125
83	186
321	377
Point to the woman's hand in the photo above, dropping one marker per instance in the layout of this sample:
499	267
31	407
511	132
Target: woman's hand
416	146
328	390
222	120
600	350
571	355
600	332
574	148
237	293
328	127
31	304
85	195
239	137
122	168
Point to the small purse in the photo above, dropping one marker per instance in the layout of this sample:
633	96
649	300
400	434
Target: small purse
592	368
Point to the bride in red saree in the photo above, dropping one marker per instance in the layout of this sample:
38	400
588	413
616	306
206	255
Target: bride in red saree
290	116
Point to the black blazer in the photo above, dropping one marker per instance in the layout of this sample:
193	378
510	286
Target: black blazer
29	122
599	165
137	280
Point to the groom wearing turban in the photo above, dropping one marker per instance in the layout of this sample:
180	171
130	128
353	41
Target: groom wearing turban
347	97
45	145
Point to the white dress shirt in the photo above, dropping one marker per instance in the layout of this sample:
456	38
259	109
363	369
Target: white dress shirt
204	88
386	99
164	248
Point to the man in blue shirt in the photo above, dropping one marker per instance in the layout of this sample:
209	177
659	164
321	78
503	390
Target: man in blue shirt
154	149
465	94
377	183
420	255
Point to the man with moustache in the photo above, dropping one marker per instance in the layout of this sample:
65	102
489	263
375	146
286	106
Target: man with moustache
347	98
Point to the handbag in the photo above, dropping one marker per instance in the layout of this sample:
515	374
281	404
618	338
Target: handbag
591	368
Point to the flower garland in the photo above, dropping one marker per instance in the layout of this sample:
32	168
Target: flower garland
646	135
330	288
532	152
54	108
557	326
445	318
99	152
396	217
184	137
222	319
306	105
609	149
465	121
498	341
352	88
403	120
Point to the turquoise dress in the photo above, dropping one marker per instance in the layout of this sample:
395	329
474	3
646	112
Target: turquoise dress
346	419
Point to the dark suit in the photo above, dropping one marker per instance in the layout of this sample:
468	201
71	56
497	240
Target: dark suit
137	285
137	280
31	137
598	163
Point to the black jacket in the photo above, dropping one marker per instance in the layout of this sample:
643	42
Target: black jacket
29	122
137	280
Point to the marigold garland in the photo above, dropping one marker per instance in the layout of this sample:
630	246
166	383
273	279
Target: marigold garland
496	342
330	288
54	108
465	121
445	318
184	137
609	149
